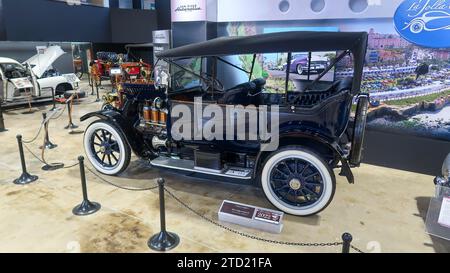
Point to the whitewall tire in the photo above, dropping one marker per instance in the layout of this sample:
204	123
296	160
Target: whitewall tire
106	148
298	181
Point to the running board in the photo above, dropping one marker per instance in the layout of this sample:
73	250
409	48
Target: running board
188	165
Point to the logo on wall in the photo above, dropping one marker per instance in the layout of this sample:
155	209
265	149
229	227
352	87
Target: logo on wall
188	10
424	22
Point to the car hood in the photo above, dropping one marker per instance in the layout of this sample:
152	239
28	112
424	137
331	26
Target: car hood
42	62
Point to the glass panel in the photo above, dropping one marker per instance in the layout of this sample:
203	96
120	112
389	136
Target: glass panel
268	67
302	70
184	77
274	65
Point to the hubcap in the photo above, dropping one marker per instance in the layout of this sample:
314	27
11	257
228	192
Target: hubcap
295	184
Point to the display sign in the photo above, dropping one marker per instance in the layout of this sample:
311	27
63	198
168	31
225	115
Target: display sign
444	215
188	10
251	216
162	40
424	23
116	71
21	83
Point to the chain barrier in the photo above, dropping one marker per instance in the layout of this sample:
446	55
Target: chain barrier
36	136
253	237
62	112
42	126
356	249
43	161
117	186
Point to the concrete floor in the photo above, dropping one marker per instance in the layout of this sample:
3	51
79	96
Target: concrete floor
384	210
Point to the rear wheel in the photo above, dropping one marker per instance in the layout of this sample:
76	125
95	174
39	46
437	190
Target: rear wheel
299	69
298	181
106	148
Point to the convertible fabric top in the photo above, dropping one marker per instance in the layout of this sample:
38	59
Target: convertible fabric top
292	41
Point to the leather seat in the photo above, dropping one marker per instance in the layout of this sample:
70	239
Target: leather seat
260	83
238	94
312	98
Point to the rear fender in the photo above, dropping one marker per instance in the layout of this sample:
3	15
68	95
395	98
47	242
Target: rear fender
133	137
299	138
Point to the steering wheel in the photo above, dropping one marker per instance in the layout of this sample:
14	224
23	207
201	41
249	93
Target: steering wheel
210	81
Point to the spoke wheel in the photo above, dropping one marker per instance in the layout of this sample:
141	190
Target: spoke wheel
297	181
106	148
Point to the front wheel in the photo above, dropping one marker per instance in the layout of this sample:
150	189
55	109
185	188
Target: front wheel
106	148
298	181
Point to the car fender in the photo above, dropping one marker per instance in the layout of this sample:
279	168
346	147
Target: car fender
304	134
133	138
52	82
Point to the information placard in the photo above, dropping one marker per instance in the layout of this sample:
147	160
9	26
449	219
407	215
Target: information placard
444	215
251	216
438	216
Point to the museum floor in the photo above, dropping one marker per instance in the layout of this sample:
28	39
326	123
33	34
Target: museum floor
384	210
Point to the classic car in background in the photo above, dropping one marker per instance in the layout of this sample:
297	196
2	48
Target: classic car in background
316	133
131	73
100	69
299	64
35	77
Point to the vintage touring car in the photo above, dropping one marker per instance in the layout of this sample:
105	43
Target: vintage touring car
316	131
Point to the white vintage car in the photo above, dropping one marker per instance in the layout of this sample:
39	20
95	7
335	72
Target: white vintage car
35	77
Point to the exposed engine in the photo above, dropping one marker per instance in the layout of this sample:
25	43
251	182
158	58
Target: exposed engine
153	124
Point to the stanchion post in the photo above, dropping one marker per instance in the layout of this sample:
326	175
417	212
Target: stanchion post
346	242
164	240
47	143
91	83
69	111
53	99
86	207
2	121
98	95
25	178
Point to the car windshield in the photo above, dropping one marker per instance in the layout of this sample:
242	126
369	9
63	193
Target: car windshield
186	74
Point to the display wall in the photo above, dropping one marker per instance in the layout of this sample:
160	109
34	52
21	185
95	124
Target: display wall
409	120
